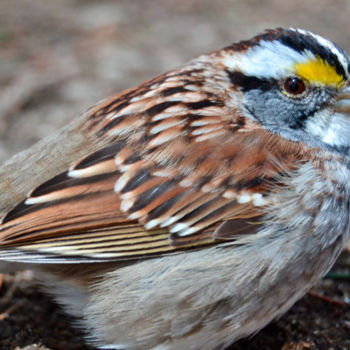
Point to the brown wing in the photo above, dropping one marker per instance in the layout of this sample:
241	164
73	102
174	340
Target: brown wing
110	207
180	175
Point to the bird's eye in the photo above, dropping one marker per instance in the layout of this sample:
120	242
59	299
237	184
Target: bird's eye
294	86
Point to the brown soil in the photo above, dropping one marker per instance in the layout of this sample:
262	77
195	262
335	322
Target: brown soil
320	321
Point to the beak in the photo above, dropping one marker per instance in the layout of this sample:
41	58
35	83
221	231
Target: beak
343	101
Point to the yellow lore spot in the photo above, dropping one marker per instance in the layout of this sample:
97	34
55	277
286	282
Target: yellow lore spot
319	72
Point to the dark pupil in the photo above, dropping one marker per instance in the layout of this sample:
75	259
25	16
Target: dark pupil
294	86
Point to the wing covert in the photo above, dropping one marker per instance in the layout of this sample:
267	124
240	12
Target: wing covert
176	177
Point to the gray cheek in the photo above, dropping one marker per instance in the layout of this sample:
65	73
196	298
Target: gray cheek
309	120
273	110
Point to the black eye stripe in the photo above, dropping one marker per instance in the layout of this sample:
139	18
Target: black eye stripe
247	83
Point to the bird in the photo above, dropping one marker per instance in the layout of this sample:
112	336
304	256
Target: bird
192	210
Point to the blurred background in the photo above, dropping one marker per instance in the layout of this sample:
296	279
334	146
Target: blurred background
57	58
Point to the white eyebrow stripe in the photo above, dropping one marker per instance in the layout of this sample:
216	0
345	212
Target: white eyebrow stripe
267	60
277	58
329	45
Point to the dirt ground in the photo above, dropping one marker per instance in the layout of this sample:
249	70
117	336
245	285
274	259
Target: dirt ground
59	57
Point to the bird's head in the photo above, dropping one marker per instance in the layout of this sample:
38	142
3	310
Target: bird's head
296	84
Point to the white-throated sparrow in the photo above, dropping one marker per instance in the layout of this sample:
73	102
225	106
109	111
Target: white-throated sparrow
193	209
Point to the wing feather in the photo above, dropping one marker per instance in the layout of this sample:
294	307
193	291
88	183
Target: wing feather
178	176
